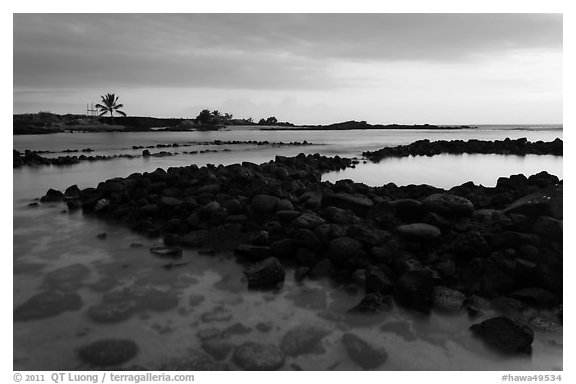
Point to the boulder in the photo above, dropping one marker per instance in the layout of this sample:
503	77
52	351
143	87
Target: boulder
448	205
267	274
447	300
345	249
302	339
372	303
359	204
308	221
264	204
48	304
419	231
218	349
469	245
414	290
504	335
362	353
108	352
52	196
253	252
252	356
548	202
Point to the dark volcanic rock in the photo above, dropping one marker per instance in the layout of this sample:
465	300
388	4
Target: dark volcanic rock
302	339
362	353
419	231
414	290
108	352
52	195
504	335
548	203
448	205
447	300
359	204
48	304
345	250
469	245
258	357
267	274
373	303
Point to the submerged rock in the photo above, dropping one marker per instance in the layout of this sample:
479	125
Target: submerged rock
259	357
302	339
70	276
447	300
48	304
504	335
107	352
362	353
111	312
167	252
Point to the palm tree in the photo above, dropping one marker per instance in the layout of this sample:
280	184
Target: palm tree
110	104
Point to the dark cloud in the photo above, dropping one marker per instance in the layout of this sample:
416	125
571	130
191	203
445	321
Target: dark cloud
255	51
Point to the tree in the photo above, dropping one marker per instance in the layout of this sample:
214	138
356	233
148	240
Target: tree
110	104
205	117
271	121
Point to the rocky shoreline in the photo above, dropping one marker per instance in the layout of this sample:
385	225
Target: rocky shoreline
468	250
507	146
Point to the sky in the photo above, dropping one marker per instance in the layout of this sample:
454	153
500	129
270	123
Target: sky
302	68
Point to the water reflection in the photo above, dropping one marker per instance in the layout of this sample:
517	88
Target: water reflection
446	171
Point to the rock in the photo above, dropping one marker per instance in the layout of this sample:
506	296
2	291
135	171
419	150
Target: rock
309	298
52	196
167	252
483	277
71	276
235	329
414	290
194	362
218	349
419	231
267	274
344	250
549	228
340	216
469	245
447	300
547	203
253	252
144	297
287	215
512	239
448	205
216	314
537	297
208	333
323	269
372	303
171	202
48	304
359	204
195	300
362	353
111	312
264	204
308	221
378	282
504	335
108	352
302	339
258	357
542	324
408	209
306	238
195	239
284	248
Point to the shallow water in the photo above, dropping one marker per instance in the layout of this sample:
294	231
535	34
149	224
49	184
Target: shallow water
47	238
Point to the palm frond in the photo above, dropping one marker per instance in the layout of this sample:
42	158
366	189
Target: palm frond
102	113
121	113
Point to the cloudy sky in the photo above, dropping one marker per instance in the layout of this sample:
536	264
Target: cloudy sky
303	68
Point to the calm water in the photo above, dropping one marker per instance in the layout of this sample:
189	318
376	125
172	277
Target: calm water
48	238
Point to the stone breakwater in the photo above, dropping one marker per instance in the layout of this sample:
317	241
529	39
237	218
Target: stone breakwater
470	249
34	158
507	146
